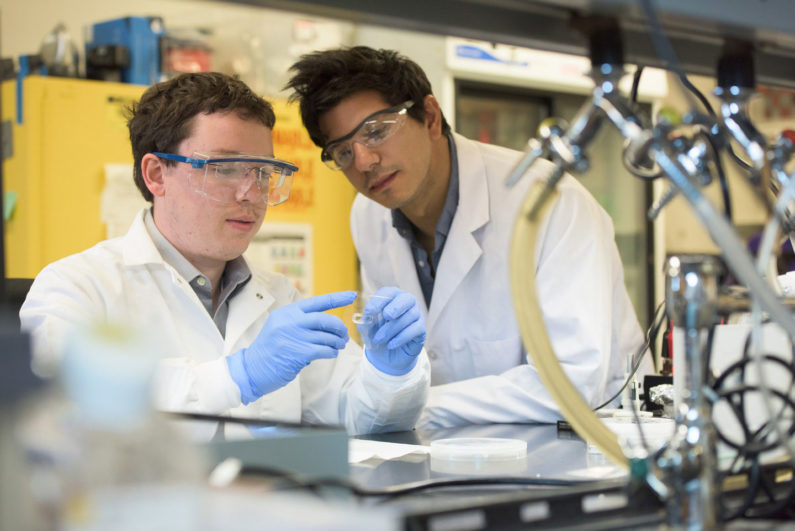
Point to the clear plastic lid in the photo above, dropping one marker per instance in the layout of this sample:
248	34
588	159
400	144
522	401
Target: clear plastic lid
478	448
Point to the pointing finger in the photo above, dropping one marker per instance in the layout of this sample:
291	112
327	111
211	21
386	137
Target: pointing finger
321	303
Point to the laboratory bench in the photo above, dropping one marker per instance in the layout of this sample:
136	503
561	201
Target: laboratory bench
551	454
562	482
559	482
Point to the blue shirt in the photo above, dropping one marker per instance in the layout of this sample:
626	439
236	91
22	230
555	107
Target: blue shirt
426	268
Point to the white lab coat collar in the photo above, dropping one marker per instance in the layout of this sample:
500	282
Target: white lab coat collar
473	187
139	249
462	249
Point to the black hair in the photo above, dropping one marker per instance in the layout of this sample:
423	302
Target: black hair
322	79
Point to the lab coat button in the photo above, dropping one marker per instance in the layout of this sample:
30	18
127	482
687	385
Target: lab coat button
432	354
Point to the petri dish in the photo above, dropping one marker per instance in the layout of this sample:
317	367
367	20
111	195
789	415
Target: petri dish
479	456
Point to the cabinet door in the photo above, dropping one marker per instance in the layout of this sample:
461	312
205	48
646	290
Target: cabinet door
69	130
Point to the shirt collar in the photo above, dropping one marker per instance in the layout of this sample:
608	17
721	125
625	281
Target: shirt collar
402	224
169	253
236	272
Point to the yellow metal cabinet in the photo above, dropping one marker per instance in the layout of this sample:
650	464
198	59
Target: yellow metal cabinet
71	128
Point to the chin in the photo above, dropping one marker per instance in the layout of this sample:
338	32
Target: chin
230	252
385	200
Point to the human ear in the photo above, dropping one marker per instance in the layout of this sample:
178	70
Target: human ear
153	172
433	115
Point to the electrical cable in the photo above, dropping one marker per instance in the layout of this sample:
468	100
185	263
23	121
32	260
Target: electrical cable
754	353
697	93
777	506
635	168
724	185
663	47
656	357
666	52
651	337
313	485
643	442
705	102
755	441
633	93
722	180
752	444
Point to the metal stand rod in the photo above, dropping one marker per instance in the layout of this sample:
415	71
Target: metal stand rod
689	462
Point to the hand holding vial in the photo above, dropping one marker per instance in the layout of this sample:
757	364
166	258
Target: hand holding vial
392	327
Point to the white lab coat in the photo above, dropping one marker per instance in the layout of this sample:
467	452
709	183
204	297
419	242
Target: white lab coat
479	369
126	280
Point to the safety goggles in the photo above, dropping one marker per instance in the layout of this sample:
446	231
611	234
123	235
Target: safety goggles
372	131
228	178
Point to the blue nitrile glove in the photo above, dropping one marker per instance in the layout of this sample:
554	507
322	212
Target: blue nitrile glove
393	343
292	337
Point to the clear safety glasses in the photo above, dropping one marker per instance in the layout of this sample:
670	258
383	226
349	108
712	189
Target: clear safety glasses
372	131
227	179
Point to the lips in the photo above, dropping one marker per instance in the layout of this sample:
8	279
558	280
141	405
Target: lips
382	182
243	223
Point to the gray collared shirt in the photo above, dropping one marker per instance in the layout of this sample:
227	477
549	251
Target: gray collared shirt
426	269
236	274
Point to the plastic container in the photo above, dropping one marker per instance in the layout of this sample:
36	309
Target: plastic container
478	455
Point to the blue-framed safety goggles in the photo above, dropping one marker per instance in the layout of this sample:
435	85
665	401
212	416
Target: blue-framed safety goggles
227	179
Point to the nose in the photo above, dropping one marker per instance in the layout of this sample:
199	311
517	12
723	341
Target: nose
364	157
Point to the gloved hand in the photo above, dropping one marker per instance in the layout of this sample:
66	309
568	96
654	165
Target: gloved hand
292	337
393	343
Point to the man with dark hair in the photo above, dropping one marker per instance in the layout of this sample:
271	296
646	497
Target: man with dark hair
433	217
234	341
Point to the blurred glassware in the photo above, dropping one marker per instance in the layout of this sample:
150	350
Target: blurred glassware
59	53
99	457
